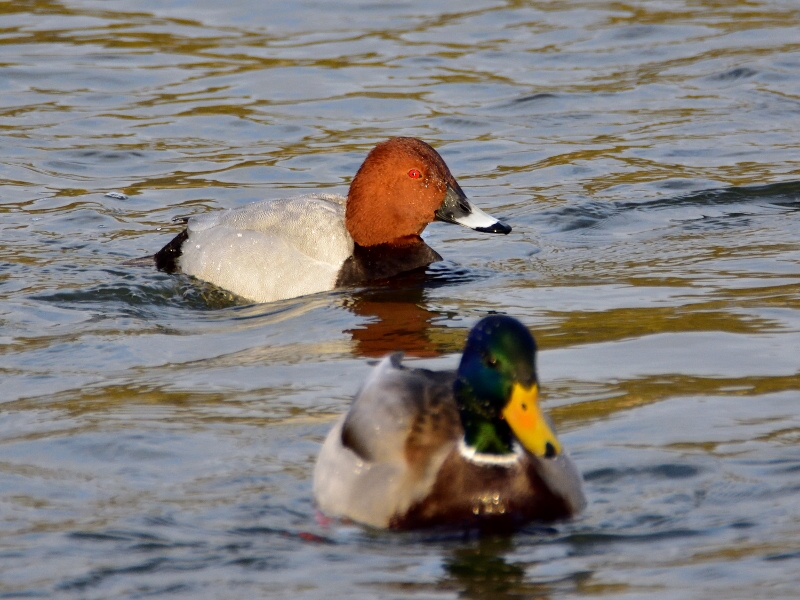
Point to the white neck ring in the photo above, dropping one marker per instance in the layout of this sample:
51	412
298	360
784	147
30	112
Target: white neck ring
484	458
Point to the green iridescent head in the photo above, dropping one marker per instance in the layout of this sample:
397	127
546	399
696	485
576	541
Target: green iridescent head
497	390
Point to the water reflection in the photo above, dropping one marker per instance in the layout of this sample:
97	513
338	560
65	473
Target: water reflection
395	318
481	571
398	316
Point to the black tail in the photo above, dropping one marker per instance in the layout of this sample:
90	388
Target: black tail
166	259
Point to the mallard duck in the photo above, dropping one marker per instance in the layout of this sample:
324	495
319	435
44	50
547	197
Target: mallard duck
469	449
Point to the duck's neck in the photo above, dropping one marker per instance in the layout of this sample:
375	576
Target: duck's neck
484	433
404	241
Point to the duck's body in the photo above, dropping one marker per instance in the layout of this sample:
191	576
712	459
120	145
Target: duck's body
276	249
269	250
402	458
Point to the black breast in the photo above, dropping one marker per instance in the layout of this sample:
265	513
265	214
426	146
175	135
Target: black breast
370	263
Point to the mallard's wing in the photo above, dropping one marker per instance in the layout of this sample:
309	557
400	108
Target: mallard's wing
384	454
400	412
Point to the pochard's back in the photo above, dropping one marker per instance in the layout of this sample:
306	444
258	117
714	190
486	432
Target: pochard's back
270	250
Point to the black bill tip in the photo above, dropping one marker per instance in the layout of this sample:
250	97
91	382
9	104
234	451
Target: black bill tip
496	227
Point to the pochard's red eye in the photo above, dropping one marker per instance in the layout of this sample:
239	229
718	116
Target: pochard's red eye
414	174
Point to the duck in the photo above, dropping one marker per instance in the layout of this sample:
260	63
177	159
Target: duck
466	449
277	249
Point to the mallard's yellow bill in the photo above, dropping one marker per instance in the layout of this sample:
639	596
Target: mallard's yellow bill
528	423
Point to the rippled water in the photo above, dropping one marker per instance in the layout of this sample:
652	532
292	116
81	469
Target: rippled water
156	438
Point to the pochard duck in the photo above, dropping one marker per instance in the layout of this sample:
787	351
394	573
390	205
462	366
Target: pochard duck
467	449
275	249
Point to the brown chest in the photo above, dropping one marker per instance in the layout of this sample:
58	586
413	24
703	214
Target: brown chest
491	498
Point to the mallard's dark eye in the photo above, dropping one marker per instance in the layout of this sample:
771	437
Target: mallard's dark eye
490	361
